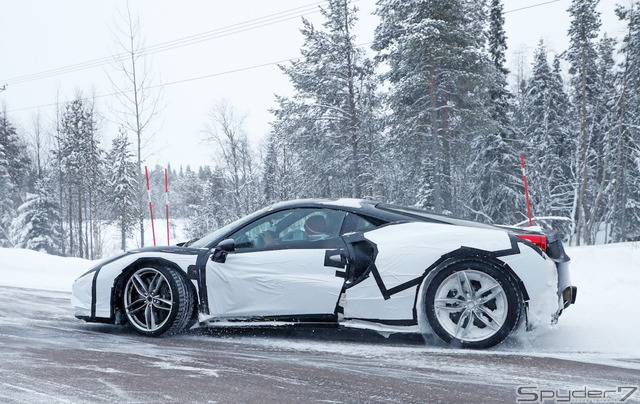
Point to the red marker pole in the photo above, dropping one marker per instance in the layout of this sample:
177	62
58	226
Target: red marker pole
526	188
153	229
166	201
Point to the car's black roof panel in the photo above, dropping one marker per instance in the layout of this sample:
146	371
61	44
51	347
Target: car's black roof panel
388	212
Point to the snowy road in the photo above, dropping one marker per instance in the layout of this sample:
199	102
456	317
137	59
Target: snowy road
49	356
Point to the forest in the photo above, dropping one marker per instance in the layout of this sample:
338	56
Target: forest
423	116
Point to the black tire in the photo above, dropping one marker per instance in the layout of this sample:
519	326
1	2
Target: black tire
473	317
157	301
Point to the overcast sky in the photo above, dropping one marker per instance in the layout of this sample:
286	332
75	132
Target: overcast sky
41	35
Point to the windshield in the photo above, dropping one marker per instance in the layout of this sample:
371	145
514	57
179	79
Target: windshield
211	237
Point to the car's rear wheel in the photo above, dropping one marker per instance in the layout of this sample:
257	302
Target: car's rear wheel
157	301
472	304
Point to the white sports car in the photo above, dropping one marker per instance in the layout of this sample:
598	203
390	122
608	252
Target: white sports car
350	262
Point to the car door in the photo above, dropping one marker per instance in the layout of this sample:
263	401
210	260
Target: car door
278	267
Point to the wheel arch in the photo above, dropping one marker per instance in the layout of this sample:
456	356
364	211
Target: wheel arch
120	281
460	256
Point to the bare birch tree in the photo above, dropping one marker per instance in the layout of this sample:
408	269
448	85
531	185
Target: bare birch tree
225	129
138	100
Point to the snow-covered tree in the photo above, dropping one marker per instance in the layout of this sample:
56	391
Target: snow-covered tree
545	120
191	190
82	166
603	140
7	213
36	226
624	187
582	55
328	124
496	191
123	185
280	177
438	77
235	158
16	157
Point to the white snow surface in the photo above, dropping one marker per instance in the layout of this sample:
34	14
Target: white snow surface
602	326
606	316
36	270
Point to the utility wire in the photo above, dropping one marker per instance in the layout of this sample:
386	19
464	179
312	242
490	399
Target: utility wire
185	41
241	69
194	39
176	43
531	6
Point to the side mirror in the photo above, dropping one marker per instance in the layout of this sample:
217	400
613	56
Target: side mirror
220	251
227	245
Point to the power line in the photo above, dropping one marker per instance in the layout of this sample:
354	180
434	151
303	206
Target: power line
193	39
177	43
531	6
361	45
209	35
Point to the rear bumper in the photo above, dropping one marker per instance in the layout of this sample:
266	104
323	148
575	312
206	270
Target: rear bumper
566	291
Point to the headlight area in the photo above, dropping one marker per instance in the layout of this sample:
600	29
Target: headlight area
82	289
81	295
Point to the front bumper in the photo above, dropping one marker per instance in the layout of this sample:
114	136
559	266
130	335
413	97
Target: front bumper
81	296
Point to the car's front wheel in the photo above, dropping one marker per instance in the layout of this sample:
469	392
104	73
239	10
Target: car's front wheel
472	304
157	301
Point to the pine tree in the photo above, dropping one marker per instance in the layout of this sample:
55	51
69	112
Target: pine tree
16	156
328	123
270	174
438	87
7	189
191	191
123	185
81	164
603	139
624	188
545	120
582	55
36	225
496	194
14	176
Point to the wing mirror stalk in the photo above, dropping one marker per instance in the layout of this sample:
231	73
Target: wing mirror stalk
222	249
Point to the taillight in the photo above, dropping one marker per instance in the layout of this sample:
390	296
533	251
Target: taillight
539	240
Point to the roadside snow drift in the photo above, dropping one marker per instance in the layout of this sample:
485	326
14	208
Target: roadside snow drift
36	270
605	318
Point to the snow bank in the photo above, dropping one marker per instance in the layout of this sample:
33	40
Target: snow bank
36	270
605	318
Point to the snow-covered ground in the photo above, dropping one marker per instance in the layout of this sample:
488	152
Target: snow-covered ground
606	316
36	270
604	324
111	237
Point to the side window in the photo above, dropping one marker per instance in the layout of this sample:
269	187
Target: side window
354	223
290	228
